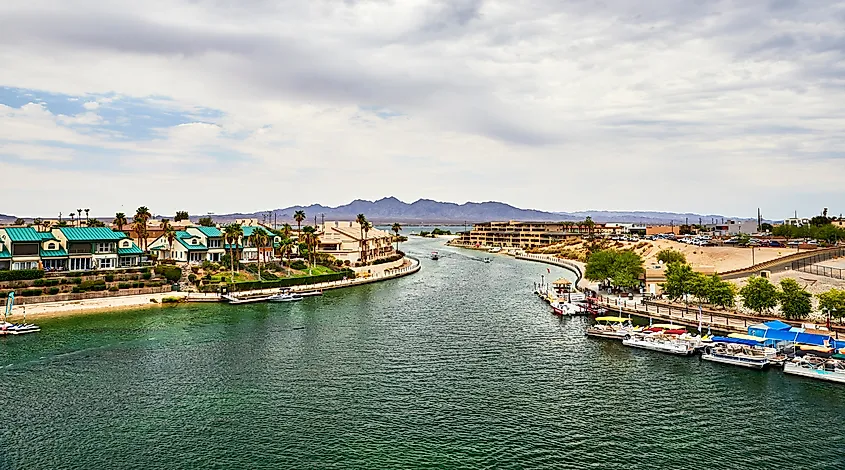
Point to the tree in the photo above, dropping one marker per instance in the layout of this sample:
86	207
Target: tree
396	229
299	216
362	221
307	232
794	300
743	239
590	225
120	221
669	256
37	222
621	268
259	238
139	221
20	221
286	247
170	234
233	233
180	216
679	280
96	223
720	293
206	222
759	295
367	227
832	302
766	227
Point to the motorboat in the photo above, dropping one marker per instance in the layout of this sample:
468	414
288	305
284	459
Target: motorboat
285	297
495	250
486	260
435	255
737	354
18	328
831	370
612	328
566	308
665	343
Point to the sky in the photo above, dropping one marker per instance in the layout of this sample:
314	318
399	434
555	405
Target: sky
246	105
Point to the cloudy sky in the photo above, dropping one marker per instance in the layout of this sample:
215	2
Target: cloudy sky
243	105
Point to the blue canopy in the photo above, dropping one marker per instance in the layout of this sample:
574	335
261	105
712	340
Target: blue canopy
793	335
777	325
725	339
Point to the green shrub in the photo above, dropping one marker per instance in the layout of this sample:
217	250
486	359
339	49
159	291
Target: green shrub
109	277
145	271
171	300
76	280
54	290
21	275
192	278
31	292
124	285
146	276
288	282
64	280
76	290
113	289
38	282
299	265
93	285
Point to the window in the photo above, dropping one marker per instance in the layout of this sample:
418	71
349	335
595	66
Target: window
51	246
214	243
26	249
193	241
106	263
104	247
79	264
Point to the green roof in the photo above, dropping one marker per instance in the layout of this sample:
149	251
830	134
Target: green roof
191	247
25	234
90	234
183	234
46	236
132	250
53	253
4	253
210	231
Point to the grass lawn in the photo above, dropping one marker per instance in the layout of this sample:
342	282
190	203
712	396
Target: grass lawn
243	275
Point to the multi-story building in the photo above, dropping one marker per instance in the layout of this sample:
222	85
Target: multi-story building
67	249
196	244
523	234
347	242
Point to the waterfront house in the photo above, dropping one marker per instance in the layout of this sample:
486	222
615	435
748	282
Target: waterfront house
90	248
185	248
212	238
21	247
344	241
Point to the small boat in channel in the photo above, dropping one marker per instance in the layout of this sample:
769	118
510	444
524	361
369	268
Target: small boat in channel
831	370
285	297
7	328
612	328
435	255
486	260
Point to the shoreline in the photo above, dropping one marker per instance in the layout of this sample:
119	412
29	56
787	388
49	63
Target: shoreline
49	310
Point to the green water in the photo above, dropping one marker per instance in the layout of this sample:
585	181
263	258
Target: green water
458	366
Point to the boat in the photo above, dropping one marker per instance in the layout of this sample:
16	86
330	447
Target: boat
7	328
612	328
566	308
285	297
486	260
495	250
831	370
312	293
660	342
435	255
737	355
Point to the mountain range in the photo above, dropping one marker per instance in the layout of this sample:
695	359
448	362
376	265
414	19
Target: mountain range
427	211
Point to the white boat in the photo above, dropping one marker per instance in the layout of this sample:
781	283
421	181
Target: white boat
566	308
831	370
486	260
669	344
737	355
7	328
285	297
495	250
435	255
313	293
612	328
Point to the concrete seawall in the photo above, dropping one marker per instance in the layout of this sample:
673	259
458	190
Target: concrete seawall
573	266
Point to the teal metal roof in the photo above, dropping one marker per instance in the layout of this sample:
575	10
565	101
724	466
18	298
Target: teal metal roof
23	234
60	253
229	247
4	254
46	236
132	250
210	231
190	247
248	231
90	234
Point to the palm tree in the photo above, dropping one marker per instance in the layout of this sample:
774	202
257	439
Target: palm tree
46	224
71	218
170	234
86	215
233	233
396	229
37	222
312	239
298	216
588	222
367	227
286	231
286	247
120	221
142	215
259	238
362	221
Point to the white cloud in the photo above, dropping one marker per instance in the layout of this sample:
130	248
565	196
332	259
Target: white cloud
708	106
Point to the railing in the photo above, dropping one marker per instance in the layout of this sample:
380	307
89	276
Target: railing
784	260
548	259
809	265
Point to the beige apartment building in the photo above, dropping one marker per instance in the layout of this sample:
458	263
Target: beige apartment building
343	240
